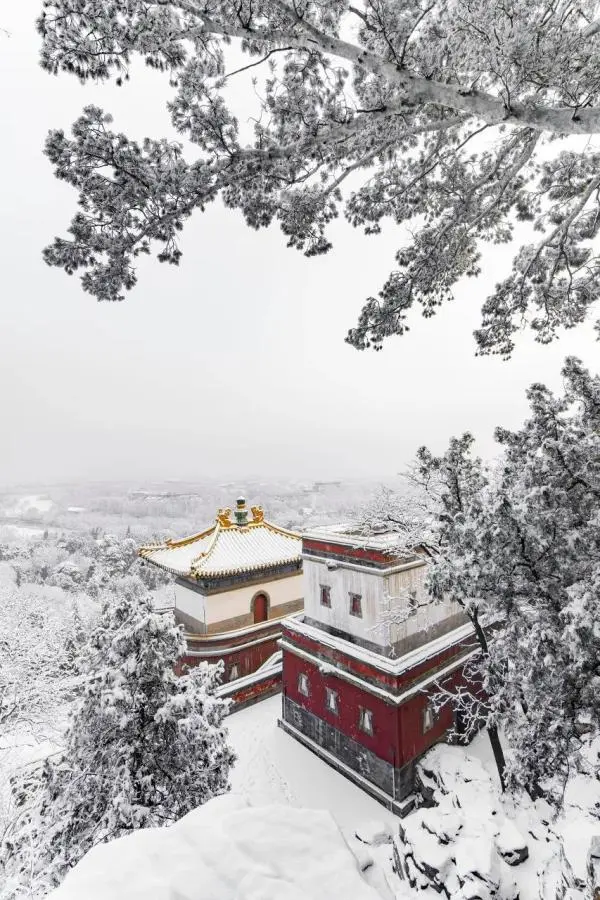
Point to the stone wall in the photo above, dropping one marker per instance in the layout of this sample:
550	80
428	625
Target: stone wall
397	783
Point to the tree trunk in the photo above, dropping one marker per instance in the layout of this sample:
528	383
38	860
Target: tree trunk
494	737
492	730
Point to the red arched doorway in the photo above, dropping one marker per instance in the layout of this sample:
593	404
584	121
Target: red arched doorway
261	608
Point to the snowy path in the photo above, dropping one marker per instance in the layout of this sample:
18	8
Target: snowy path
274	768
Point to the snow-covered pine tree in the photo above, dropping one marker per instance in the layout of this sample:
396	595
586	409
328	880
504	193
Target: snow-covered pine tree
521	547
74	641
452	118
144	746
457	486
429	514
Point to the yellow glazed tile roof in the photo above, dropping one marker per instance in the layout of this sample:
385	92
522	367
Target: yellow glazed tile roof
229	547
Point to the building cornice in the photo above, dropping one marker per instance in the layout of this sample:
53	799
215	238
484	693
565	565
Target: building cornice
395	699
394	667
238	632
338	562
218	585
387	543
235	648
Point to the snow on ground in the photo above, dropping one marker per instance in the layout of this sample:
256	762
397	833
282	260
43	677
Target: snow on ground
295	829
31	503
273	767
13	533
473	826
515	846
8	577
224	850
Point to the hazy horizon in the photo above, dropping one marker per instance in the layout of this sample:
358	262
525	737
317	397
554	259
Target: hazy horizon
234	362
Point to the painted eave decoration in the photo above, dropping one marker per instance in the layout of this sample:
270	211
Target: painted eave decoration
235	544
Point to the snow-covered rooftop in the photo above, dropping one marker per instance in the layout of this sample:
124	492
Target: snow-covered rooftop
349	534
231	546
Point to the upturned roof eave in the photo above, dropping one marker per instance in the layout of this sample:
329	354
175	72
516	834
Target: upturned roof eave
199	574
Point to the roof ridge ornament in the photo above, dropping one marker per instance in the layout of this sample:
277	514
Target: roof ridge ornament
224	518
241	512
258	515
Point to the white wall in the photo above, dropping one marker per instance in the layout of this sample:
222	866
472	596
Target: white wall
387	614
236	602
399	619
342	582
189	602
233	603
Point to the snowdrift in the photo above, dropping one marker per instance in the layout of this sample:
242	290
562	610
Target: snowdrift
475	843
224	850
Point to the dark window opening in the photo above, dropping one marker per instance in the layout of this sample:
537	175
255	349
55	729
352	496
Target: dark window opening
356	605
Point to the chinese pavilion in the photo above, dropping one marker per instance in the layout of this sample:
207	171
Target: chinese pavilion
235	582
360	663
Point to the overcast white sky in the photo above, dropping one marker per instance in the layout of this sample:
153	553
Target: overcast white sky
234	363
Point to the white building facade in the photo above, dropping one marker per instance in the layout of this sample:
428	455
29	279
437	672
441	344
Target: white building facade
371	593
235	582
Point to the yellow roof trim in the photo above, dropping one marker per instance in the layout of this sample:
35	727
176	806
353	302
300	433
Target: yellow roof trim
209	549
183	542
174	543
255	568
284	531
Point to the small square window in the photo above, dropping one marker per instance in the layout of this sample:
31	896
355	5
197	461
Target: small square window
428	718
331	701
234	673
325	595
356	605
303	684
365	720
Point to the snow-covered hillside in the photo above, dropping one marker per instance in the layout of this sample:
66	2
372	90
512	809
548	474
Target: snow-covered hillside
295	829
489	829
225	850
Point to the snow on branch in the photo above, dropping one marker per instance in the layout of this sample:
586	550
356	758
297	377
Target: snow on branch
469	703
413	109
411	515
520	552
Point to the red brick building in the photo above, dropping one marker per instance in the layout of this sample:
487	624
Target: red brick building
360	663
235	582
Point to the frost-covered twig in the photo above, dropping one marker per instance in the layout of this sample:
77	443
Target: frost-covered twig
436	123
